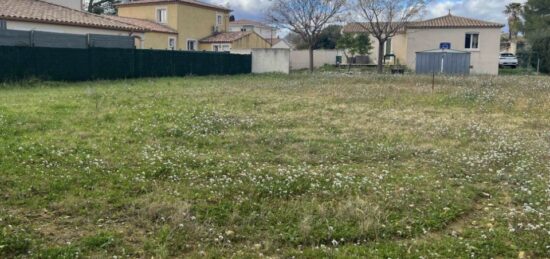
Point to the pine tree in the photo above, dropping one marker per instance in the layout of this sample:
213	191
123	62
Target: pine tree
537	30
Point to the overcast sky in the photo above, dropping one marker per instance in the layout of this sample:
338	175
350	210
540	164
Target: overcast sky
490	10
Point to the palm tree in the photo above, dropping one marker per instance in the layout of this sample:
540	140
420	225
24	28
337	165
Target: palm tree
514	11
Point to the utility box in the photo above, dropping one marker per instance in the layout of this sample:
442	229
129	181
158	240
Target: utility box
443	61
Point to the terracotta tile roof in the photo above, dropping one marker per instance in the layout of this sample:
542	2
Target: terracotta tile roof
226	37
451	21
358	27
189	2
145	24
38	11
448	21
274	41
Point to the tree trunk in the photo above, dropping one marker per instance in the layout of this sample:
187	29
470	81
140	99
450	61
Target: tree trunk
311	58
348	59
91	6
381	56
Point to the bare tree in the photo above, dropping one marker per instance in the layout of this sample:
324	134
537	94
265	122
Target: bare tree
306	18
386	18
101	6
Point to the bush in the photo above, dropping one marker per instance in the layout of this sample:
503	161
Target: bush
541	46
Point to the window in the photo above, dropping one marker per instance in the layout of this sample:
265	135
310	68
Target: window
219	19
388	47
162	15
472	41
221	47
243	29
2	25
172	43
191	45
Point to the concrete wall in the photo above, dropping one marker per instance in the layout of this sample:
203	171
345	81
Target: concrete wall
191	22
73	4
270	61
241	51
299	59
484	60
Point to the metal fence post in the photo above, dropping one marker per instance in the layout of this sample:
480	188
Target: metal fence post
31	38
433	82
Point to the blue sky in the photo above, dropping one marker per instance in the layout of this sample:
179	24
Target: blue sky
490	10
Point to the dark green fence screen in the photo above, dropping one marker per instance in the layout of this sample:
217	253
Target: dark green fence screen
100	63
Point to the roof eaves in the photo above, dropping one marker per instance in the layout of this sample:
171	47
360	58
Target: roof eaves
80	24
144	29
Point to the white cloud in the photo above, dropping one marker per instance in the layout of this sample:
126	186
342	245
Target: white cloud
482	9
245	9
489	10
244	5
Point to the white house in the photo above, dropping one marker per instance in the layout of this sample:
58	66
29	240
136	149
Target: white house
265	31
73	4
480	38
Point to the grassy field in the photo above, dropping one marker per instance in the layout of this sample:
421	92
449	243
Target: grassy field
306	166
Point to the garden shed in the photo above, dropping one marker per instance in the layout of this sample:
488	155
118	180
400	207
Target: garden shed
443	61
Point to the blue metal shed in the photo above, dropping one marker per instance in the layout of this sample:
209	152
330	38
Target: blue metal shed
443	61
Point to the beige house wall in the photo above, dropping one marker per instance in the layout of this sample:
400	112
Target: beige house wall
251	41
484	60
398	48
156	40
191	22
209	46
197	23
149	12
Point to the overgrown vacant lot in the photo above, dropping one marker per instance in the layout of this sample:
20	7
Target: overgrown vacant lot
307	166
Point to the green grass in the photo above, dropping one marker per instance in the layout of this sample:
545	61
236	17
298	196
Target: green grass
311	166
519	71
